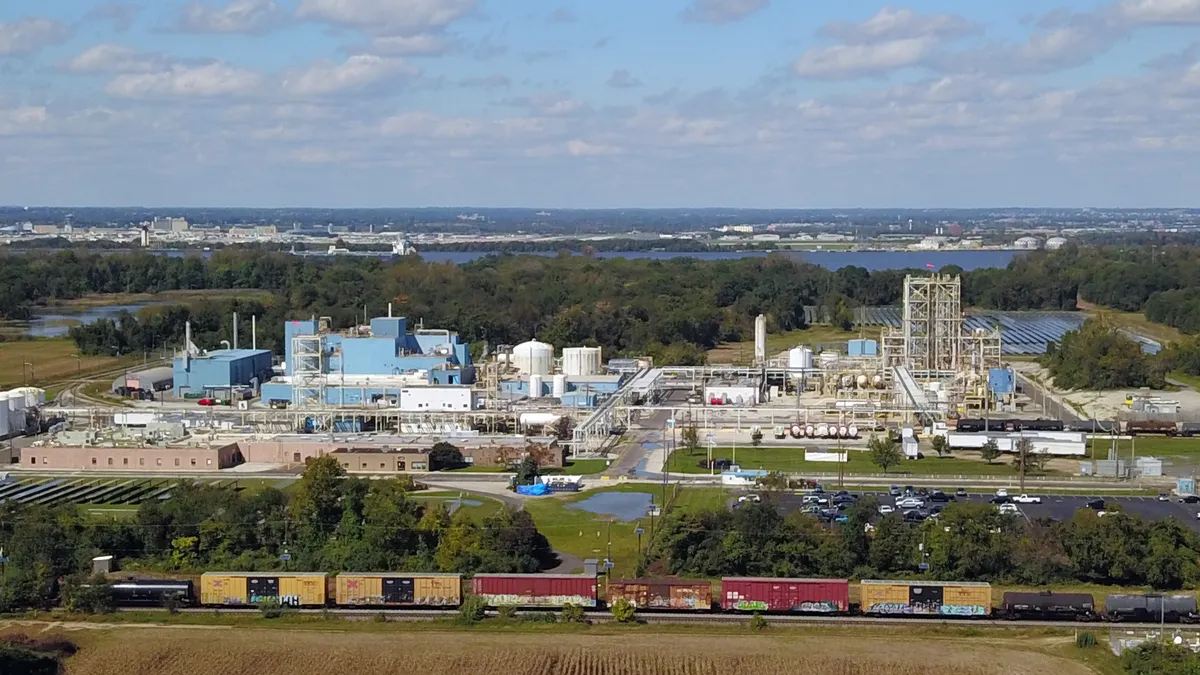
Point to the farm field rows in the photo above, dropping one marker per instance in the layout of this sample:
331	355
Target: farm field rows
205	651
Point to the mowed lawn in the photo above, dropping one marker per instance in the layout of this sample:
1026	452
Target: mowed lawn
791	460
53	360
586	535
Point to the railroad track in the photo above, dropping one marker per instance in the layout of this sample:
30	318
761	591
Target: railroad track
682	618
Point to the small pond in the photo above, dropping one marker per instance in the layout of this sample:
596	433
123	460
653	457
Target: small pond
625	506
55	322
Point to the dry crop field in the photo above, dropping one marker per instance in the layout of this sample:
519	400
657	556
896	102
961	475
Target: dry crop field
141	650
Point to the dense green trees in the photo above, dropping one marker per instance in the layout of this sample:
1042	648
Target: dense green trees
969	542
332	522
1098	356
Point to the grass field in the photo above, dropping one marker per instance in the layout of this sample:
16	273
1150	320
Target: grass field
1147	446
791	460
743	352
586	535
110	299
52	360
571	651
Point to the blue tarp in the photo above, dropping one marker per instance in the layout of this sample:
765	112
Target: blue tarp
535	490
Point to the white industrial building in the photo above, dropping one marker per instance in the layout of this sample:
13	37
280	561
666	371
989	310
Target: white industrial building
433	398
1057	443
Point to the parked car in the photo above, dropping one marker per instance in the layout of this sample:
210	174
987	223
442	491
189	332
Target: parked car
1001	492
1008	507
936	509
939	496
811	509
915	516
960	492
1164	497
908	491
1027	499
910	503
1000	499
885	509
1189	499
749	498
894	491
1095	504
206	402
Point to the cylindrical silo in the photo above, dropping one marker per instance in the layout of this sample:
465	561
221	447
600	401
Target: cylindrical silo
800	357
559	386
535	386
533	357
3	414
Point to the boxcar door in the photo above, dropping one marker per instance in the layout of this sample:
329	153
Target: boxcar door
260	588
925	599
398	591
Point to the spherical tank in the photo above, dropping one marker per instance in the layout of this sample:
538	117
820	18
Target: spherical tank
535	386
533	357
844	432
559	386
847	381
862	381
852	431
810	430
877	381
822	431
580	361
797	432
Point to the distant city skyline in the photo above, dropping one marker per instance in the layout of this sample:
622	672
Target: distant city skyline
584	104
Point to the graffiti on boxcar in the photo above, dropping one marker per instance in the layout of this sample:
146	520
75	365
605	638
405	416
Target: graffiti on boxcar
822	606
963	610
499	600
285	600
751	606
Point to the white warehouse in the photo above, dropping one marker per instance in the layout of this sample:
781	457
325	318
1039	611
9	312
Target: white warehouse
436	399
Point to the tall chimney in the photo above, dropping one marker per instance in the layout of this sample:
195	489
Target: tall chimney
254	331
235	330
187	345
389	310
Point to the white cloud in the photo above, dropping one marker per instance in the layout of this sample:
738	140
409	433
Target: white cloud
28	36
182	81
1163	12
722	11
237	16
120	14
421	44
856	60
623	79
386	17
22	120
114	58
891	23
354	74
579	148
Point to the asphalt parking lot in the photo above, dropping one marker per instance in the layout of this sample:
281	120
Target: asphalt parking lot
1061	507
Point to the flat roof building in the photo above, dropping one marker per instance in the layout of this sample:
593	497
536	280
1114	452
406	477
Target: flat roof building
220	371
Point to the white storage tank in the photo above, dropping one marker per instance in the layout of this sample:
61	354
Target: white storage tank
535	386
822	431
4	430
533	357
558	387
852	431
862	381
581	361
810	431
527	420
797	432
800	357
877	381
844	432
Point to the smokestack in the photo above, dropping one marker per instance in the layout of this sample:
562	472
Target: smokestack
235	330
187	344
389	310
254	331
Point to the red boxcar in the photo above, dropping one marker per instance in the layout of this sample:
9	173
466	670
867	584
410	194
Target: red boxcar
535	590
754	594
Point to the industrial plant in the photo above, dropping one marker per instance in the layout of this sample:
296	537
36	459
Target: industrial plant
389	389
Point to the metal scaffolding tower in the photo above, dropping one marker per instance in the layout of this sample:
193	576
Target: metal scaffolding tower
308	370
932	323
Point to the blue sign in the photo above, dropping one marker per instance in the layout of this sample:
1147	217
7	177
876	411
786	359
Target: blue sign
924	567
285	557
1186	486
3	560
639	532
1002	381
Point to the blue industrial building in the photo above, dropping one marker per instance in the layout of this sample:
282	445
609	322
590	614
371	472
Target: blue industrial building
862	347
365	365
218	372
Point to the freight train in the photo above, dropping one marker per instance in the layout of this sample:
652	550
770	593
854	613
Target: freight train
1131	428
829	597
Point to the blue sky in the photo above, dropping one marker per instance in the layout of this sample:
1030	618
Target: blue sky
600	103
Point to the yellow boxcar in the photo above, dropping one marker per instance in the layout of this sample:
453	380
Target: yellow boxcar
222	589
399	590
926	598
299	589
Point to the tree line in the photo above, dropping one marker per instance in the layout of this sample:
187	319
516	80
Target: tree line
968	542
329	522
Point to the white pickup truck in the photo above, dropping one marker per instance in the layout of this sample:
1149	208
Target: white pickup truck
1027	499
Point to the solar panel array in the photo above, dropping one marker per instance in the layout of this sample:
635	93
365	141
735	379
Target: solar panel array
1022	332
90	490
